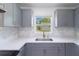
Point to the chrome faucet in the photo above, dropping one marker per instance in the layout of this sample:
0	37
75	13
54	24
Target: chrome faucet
44	38
44	35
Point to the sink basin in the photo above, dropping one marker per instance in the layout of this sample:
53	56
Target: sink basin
41	39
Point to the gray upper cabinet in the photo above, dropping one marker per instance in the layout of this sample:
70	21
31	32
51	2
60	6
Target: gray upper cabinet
2	15
17	15
12	16
26	17
1	6
64	17
1	19
77	18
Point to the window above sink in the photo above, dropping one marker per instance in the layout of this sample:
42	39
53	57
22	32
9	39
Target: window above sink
42	23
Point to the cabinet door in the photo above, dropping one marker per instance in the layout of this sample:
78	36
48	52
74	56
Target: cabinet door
41	49
61	49
26	18
12	16
2	6
57	49
50	51
1	19
76	50
65	17
17	15
44	49
70	49
33	50
8	16
22	51
77	18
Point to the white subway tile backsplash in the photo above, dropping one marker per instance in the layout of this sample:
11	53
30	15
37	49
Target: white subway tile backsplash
57	32
8	32
14	33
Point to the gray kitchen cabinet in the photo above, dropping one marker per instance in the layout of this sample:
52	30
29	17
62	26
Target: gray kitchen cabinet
61	49
12	16
71	49
76	49
2	6
64	18
43	49
17	15
22	51
26	18
29	50
34	51
2	15
1	19
77	18
50	51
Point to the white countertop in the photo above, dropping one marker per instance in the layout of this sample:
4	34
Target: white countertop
16	44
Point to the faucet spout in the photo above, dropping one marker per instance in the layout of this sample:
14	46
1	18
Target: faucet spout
44	35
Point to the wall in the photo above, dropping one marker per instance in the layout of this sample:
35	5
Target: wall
44	12
35	12
8	33
23	32
56	32
11	16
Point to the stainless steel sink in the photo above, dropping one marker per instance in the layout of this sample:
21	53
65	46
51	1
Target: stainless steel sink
43	39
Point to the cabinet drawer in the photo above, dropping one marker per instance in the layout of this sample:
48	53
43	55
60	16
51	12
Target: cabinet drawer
41	45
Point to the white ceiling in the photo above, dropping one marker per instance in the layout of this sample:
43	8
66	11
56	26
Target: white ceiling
48	4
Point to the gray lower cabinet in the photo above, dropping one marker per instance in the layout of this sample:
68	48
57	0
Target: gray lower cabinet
34	52
22	51
49	49
30	50
61	49
69	49
72	49
42	49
